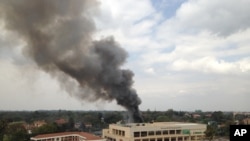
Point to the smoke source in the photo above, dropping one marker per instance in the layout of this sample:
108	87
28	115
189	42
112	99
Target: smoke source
58	37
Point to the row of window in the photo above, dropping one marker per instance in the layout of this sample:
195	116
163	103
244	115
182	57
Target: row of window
184	138
69	138
118	132
109	139
152	133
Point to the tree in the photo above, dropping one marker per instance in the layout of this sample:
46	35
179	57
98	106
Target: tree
210	132
47	128
162	119
217	116
16	132
3	126
113	117
71	123
90	118
170	113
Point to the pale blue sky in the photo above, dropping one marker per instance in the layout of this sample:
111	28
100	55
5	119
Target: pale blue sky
186	55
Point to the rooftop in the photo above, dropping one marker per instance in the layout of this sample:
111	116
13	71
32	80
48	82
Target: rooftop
159	124
85	135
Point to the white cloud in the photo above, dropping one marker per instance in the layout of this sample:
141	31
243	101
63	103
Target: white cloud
220	54
130	22
210	65
244	65
223	17
150	71
125	12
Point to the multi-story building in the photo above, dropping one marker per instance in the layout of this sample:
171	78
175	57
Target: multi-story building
67	136
157	131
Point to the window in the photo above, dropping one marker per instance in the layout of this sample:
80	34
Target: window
173	139
109	139
178	131
165	132
116	132
144	139
198	137
166	139
179	139
159	139
172	132
152	139
151	133
158	133
136	134
143	134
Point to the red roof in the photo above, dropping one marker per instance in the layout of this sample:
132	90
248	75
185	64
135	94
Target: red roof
88	136
60	121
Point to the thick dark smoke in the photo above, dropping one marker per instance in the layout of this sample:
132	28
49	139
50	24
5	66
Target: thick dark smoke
58	37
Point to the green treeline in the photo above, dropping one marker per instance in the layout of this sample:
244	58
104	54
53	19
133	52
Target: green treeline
21	125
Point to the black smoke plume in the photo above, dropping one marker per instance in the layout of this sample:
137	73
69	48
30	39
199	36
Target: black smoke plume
58	36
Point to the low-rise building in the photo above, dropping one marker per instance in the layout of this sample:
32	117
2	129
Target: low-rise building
61	121
67	136
246	121
196	116
157	131
39	123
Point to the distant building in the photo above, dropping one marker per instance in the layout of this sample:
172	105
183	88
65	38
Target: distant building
246	121
208	115
78	125
29	127
187	115
67	136
158	131
196	116
61	121
87	125
39	123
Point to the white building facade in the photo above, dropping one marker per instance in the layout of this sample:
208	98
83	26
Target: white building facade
157	131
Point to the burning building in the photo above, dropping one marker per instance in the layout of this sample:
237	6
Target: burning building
157	131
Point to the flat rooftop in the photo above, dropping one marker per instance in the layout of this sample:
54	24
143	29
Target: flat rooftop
158	124
85	135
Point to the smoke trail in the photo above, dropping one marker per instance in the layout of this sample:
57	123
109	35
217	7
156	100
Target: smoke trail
58	36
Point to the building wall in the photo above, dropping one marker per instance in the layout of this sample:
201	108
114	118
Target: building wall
64	138
155	132
60	138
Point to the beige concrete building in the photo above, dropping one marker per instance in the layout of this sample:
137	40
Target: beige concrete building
157	131
246	121
67	136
